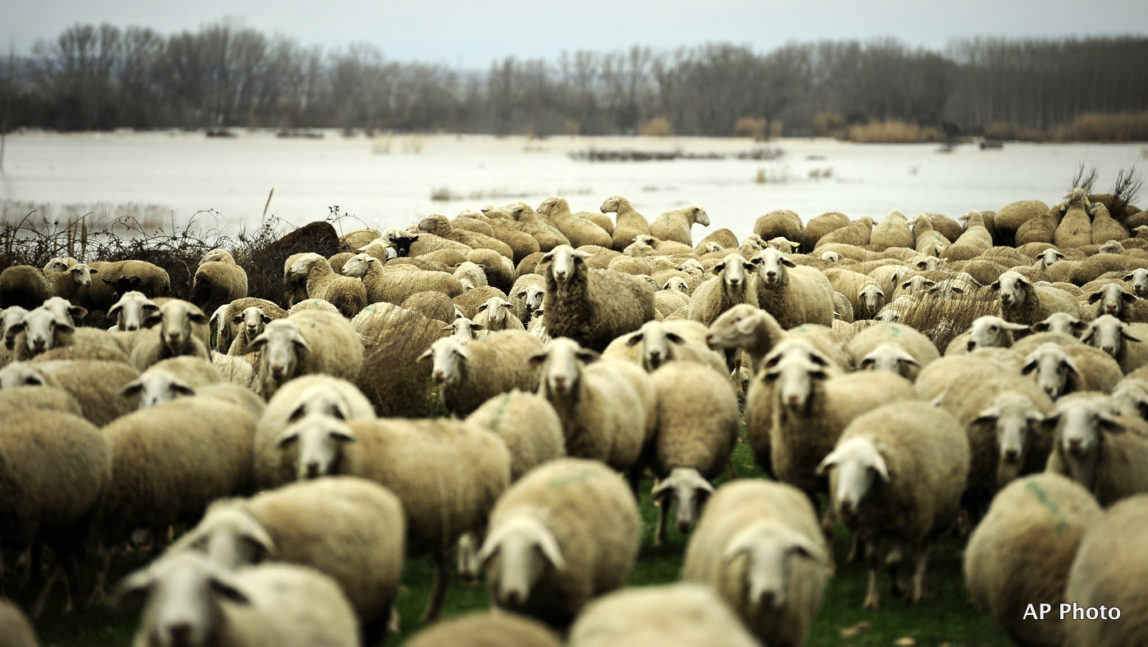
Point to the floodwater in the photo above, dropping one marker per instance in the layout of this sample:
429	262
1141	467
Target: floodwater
389	181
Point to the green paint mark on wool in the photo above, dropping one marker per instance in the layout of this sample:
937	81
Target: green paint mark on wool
1042	496
501	411
579	477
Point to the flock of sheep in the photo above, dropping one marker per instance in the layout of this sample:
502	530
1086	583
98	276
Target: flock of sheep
904	378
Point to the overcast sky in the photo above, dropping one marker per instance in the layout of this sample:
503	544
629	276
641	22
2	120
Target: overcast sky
475	32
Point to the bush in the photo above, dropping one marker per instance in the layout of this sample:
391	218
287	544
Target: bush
656	127
892	131
1092	127
829	124
750	127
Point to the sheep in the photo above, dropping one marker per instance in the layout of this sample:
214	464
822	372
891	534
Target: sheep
218	280
15	627
927	240
590	306
119	277
1114	299
171	378
793	295
251	323
55	468
431	305
168	463
28	287
819	226
675	225
529	426
797	407
1139	280
39	330
226	322
1106	230
670	614
723	238
892	231
1020	554
497	314
989	331
306	342
918	350
663	342
1075	228
607	407
547	235
393	380
730	286
472	373
446	474
347	294
131	310
630	223
854	233
39	397
504	228
781	222
438	225
526	294
94	384
1060	322
182	330
484	630
1108	570
697	429
566	532
776	586
309	394
193	601
470	275
578	229
380	316
1100	451
1123	341
349	529
1025	303
468	302
975	240
667	302
757	333
920	455
1062	370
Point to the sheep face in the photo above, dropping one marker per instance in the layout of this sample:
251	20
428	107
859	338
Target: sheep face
10	317
64	309
1049	257
1108	334
612	204
872	298
700	216
176	319
687	491
18	374
767	547
656	344
1111	247
448	360
357	265
1055	372
497	309
710	247
320	439
229	536
1015	420
156	386
532	296
1130	398
771	267
793	373
891	358
564	262
923	263
464	329
1061	322
253	321
81	274
1139	279
320	399
992	332
217	255
1077	424
677	284
284	349
853	466
915	284
1013	288
1112	297
736	327
561	363
184	592
516	554
831	256
732	271
132	310
59	264
40	327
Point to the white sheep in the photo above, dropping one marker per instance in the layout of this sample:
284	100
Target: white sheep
793	294
347	294
563	534
607	407
470	275
1139	279
350	529
758	545
485	629
132	310
1020	554
1109	570
171	378
94	384
892	347
1060	322
1067	369
183	330
675	225
446	474
28	287
193	601
657	616
471	373
665	341
698	425
1025	303
898	472
497	314
527	424
988	331
1123	341
731	286
250	323
1102	452
217	280
310	341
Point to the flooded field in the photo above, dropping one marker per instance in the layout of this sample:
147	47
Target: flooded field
392	181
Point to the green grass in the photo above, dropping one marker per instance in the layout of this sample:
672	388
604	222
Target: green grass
946	617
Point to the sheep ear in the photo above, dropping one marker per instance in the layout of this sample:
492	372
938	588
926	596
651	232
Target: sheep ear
521	294
1029	367
661	488
788	263
131	388
867	363
112	311
289	436
197	317
582	254
1127	335
675	338
1128	297
1094	297
1071	366
225	588
988	416
995	285
536	360
1127	277
342	434
133	586
152	319
1079	326
1089	333
906	358
550	549
587	356
77	312
828	463
633	338
259	342
718	269
265	317
1040	326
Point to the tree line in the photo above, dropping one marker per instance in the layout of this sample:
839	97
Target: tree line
96	77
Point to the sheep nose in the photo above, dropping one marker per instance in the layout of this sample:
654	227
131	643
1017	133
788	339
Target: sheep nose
512	598
180	634
560	275
131	327
734	283
766	600
1006	299
1074	446
312	470
683	526
39	343
1011	455
1108	349
173	338
971	345
439	376
846	505
559	382
277	371
771	275
792	400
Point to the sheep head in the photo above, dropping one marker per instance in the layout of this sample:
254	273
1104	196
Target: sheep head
732	270
561	365
253	320
11	316
229	536
991	331
448	357
1108	334
18	374
1014	419
564	262
686	489
320	439
284	349
40	328
516	554
1077	424
1112	297
794	369
155	386
767	547
1061	322
176	319
853	467
133	309
1014	289
1139	279
1055	371
771	265
891	358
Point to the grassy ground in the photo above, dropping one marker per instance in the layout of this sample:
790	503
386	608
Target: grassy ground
947	617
